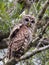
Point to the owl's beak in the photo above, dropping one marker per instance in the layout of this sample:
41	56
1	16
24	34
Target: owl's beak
28	24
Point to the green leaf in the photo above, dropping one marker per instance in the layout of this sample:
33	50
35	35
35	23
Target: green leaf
47	63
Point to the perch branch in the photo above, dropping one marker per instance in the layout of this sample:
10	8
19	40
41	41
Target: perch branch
27	55
34	52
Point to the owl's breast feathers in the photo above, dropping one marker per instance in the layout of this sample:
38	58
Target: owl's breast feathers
19	42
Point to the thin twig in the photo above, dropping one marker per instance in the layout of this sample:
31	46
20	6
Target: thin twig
40	15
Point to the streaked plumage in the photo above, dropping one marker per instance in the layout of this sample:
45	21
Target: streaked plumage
20	37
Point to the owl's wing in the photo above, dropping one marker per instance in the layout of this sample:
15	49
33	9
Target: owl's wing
15	29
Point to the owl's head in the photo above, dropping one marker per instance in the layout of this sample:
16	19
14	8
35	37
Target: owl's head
28	20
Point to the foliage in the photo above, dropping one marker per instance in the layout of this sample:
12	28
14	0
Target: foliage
7	17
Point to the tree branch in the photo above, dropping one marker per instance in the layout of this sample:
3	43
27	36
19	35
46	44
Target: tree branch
27	55
40	15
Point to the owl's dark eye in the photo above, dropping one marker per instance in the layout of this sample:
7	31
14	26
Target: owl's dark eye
26	19
32	21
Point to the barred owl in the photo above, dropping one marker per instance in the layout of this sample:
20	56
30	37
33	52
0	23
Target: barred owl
21	37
